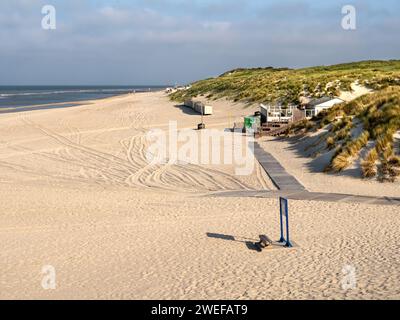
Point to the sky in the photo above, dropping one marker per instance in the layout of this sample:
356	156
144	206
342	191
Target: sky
155	42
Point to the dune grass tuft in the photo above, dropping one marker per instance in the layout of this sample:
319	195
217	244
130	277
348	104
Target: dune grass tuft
368	165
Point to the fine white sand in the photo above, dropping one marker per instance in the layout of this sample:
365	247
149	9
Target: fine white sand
357	90
77	193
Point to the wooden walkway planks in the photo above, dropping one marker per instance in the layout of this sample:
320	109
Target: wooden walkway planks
277	173
312	196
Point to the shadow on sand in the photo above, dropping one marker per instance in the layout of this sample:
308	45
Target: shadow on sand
187	110
314	147
250	243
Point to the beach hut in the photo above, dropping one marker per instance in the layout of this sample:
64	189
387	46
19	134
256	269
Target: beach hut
277	113
199	107
314	107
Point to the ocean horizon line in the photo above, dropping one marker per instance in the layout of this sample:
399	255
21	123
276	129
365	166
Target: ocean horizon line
16	98
87	85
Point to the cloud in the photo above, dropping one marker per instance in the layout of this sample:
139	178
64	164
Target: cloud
164	41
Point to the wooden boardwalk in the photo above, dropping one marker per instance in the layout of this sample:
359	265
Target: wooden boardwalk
313	196
279	176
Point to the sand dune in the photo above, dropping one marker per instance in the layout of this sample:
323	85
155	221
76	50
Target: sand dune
78	193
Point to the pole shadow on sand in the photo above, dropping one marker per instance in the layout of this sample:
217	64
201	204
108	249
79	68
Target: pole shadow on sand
250	243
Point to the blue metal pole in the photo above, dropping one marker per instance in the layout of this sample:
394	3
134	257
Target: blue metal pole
282	239
288	244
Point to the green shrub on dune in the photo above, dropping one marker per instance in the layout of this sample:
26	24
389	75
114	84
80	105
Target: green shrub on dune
289	85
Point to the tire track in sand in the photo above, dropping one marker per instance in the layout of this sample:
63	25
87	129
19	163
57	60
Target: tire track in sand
133	169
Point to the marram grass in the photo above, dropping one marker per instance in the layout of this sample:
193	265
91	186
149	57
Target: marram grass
287	86
379	114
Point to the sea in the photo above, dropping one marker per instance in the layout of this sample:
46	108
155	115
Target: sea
24	98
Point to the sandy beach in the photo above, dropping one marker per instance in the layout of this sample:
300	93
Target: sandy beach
77	193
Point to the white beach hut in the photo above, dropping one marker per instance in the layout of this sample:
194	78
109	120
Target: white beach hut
276	113
318	105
